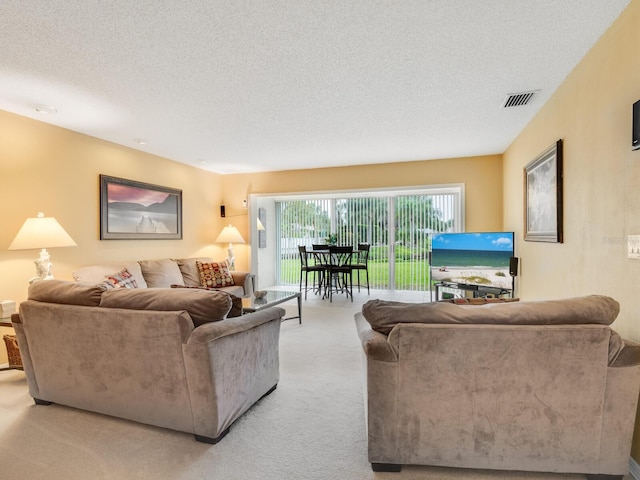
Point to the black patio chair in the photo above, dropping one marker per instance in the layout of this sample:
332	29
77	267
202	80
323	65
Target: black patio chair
361	263
305	268
340	271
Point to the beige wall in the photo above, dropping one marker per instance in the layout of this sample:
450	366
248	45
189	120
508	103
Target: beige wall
482	177
591	112
49	169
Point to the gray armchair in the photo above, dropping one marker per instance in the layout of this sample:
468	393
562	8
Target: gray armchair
538	386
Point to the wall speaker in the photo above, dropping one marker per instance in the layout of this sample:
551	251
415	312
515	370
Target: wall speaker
222	212
513	266
635	139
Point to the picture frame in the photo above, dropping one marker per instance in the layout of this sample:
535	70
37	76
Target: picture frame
543	179
262	234
132	210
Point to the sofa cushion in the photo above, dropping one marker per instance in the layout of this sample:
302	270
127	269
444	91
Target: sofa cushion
63	291
161	273
93	274
383	315
202	305
236	302
214	274
189	270
121	279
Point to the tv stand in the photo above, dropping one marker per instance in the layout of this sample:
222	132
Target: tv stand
472	290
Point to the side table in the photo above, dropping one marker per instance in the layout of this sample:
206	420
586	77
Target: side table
15	362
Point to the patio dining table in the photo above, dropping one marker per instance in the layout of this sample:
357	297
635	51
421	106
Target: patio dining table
338	272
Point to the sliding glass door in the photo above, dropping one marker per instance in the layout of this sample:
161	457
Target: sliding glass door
396	225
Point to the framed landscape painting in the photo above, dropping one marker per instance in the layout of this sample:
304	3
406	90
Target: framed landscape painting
131	210
543	196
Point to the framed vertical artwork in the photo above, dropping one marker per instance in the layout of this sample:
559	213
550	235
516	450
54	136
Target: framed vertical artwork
131	210
262	234
543	196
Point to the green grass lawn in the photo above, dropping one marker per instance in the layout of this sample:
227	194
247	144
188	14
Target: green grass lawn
409	275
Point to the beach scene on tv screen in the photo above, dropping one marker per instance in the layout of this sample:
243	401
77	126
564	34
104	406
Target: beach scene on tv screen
475	258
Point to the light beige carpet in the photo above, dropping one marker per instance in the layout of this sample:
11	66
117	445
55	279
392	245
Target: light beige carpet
311	428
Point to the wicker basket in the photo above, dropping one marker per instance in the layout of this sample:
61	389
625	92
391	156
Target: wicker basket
15	361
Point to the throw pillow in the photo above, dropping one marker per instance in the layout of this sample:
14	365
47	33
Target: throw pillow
121	279
214	274
94	274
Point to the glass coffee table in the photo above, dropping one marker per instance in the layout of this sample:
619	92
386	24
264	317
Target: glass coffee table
272	298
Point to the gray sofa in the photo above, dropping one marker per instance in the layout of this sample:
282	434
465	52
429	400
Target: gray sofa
160	356
539	386
164	273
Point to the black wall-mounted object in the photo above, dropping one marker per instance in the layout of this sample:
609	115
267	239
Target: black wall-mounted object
513	266
222	213
635	139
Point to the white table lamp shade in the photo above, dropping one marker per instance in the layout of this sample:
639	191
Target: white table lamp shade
230	235
41	232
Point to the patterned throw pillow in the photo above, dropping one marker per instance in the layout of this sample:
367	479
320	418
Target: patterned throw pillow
214	274
121	279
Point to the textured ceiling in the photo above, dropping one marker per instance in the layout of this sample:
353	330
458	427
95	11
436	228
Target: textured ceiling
254	85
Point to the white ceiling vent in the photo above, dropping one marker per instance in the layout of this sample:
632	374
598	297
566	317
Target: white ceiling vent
518	99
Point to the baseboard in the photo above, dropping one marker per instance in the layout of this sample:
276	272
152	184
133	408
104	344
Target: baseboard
4	365
634	469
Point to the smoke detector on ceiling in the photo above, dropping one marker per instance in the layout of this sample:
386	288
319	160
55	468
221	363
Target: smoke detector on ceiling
519	99
40	108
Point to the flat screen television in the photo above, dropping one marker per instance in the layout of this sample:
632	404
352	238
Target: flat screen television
473	258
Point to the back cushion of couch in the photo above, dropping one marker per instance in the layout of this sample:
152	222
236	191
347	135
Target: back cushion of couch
161	273
65	292
383	315
202	305
189	270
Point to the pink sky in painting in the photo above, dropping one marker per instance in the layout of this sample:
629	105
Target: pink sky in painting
122	193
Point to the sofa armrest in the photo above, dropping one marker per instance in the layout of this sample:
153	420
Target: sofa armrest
244	279
374	344
230	365
229	326
628	356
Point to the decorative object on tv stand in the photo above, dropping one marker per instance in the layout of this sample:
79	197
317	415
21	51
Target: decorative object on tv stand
230	235
41	232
